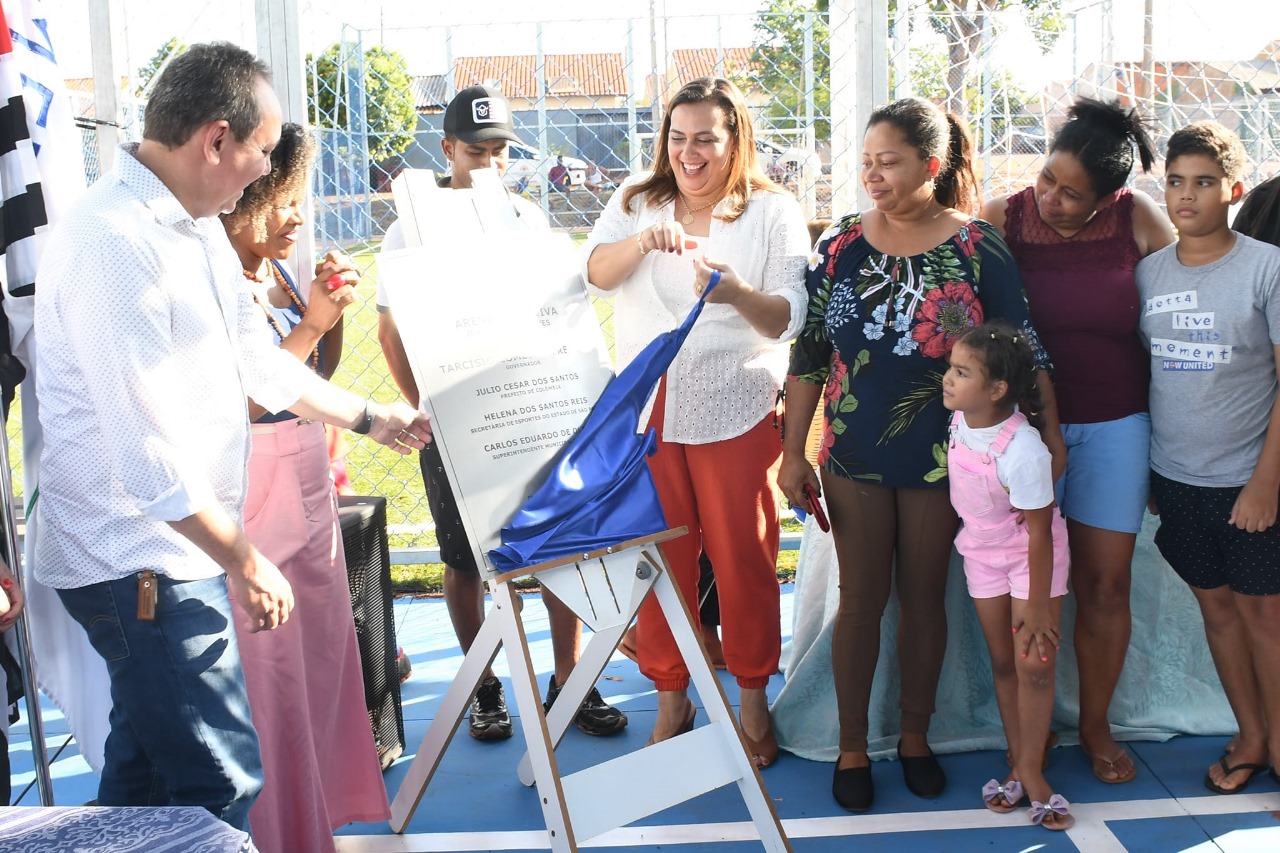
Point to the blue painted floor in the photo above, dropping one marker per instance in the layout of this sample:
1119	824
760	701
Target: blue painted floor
475	801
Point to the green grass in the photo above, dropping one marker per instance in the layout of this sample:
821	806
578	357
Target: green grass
428	578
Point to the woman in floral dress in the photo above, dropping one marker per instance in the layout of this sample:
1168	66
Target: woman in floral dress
890	289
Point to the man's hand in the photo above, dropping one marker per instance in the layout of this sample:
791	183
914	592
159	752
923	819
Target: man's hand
399	426
262	592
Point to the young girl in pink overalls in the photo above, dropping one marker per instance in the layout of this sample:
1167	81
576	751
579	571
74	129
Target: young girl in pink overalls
1014	544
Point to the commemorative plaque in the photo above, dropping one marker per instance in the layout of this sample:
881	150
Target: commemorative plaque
503	340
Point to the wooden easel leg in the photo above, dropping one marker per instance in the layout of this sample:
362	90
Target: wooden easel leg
454	704
720	712
594	658
541	750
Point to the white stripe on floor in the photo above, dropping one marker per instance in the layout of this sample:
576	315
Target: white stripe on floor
1089	833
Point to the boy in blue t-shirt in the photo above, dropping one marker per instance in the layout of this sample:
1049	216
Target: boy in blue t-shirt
1211	320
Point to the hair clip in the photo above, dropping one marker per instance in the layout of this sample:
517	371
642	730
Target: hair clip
993	336
1015	339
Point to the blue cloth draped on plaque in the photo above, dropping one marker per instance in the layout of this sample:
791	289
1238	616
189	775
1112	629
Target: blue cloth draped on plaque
599	491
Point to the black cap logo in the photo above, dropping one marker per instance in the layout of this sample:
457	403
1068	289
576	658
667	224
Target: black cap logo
489	111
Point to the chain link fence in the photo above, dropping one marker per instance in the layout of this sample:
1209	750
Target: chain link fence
587	120
594	114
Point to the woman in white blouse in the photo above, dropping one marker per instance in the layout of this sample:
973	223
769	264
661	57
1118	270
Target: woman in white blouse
706	206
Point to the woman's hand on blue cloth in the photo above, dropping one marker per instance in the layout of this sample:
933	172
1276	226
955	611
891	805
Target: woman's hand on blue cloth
730	288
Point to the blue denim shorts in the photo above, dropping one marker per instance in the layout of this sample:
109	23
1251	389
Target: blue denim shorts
1108	473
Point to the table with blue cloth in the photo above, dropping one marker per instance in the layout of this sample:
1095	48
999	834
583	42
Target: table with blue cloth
84	829
1169	685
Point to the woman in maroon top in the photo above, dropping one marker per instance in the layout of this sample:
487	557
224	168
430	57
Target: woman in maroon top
1077	236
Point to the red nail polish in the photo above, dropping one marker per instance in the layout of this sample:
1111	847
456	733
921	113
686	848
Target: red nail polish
6	582
336	281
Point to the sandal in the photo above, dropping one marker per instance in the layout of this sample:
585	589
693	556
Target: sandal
1055	815
1102	766
763	752
1002	799
1227	770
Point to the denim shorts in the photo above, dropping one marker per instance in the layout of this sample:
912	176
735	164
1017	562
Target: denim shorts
1108	472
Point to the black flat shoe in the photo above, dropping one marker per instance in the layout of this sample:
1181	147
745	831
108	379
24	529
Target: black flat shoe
853	788
923	774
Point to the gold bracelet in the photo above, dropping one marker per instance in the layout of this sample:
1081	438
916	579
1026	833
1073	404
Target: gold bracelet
640	243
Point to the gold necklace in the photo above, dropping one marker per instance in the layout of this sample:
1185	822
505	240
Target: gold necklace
687	219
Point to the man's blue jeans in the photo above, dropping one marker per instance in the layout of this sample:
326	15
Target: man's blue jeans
180	727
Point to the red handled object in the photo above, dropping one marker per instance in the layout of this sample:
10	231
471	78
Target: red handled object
815	507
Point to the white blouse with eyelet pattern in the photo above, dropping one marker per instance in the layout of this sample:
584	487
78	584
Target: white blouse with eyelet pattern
726	377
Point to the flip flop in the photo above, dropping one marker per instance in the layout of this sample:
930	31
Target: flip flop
1101	766
1054	815
1254	769
1002	799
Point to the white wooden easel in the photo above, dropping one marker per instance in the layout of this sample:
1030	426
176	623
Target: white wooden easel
605	589
461	372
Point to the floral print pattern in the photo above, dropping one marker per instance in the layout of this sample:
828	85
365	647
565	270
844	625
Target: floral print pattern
878	333
948	313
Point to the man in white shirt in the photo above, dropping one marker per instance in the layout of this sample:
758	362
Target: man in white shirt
149	345
477	130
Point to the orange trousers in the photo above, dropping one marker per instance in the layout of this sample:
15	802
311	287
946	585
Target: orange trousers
726	494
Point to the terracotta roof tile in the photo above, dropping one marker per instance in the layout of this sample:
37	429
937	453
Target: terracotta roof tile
690	64
566	75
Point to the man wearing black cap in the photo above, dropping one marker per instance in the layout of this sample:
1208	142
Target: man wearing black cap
477	129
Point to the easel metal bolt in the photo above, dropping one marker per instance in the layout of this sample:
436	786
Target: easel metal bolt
643	570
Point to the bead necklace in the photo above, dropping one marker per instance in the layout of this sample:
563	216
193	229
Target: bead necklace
687	219
314	359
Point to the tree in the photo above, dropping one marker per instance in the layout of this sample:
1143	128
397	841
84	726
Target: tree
779	54
384	84
148	72
778	60
961	23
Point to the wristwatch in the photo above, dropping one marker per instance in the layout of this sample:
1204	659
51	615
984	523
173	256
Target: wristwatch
365	423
